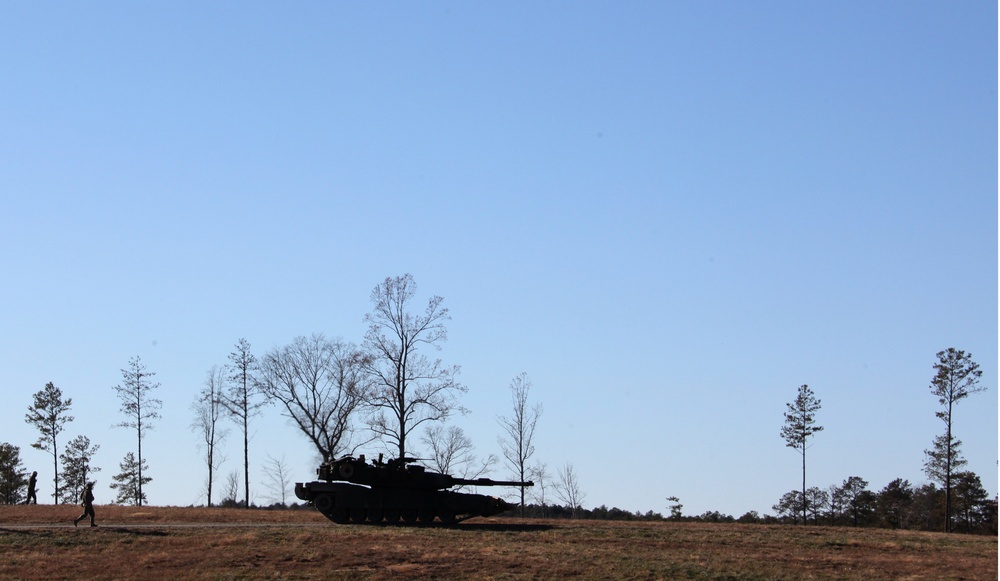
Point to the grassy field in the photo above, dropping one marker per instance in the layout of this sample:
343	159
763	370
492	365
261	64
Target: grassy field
40	542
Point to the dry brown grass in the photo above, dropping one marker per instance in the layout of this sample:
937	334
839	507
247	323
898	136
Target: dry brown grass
39	542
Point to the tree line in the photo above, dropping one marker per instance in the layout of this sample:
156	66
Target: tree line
899	505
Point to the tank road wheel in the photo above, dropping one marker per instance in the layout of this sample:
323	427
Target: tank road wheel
447	517
425	516
357	515
338	515
375	515
392	515
323	503
410	516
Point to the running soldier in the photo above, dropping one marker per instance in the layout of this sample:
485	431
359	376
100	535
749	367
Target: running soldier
87	500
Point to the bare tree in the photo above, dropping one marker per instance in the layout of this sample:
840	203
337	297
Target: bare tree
231	489
800	420
243	400
208	409
957	378
140	409
517	446
540	476
408	388
452	452
48	414
277	479
568	489
320	383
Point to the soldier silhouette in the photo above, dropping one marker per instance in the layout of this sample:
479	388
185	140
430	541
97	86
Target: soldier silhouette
32	496
87	500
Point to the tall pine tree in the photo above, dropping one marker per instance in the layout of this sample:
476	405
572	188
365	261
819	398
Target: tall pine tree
140	408
800	425
243	401
956	378
48	413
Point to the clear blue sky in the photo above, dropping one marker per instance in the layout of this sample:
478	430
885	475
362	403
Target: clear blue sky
668	214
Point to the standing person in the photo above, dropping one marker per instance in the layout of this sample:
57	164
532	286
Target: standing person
31	488
87	500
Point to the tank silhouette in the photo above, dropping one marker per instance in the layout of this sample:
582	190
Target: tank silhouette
350	490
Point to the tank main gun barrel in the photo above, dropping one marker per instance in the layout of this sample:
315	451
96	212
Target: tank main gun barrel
489	482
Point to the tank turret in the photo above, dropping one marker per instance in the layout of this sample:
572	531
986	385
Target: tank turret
353	490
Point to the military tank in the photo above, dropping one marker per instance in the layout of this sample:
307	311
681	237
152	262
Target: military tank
351	490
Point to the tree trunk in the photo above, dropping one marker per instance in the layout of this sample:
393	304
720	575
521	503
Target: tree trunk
947	475
138	498
805	514
246	459
55	468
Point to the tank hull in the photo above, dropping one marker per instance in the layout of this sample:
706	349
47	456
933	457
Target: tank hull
344	502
